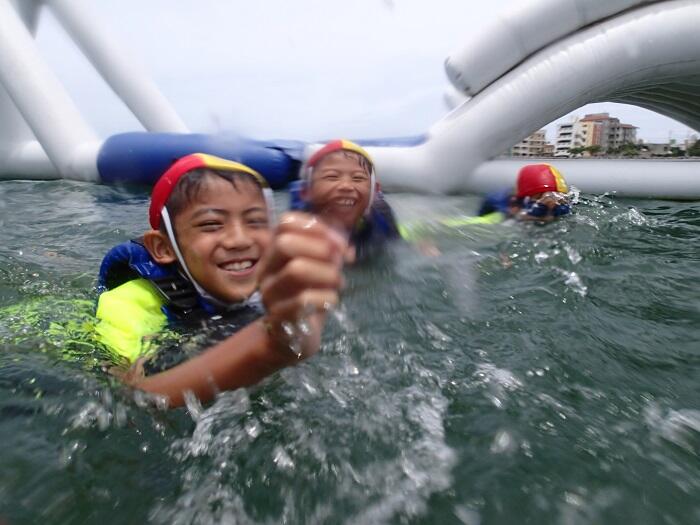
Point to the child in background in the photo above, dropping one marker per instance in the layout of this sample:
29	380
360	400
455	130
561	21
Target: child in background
212	258
339	186
541	194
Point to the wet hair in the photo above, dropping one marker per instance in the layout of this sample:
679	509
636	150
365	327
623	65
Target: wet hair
361	159
190	185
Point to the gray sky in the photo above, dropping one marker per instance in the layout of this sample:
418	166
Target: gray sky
297	69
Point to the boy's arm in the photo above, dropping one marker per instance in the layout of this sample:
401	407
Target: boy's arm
299	280
241	360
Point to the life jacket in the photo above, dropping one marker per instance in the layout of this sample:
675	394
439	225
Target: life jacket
180	306
500	201
131	260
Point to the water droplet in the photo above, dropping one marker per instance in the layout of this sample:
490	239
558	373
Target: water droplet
282	459
503	442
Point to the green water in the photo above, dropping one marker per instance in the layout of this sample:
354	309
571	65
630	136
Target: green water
527	375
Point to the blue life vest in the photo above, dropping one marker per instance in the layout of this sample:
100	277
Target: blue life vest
498	201
184	308
131	260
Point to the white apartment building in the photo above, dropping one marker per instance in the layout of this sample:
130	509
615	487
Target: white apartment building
565	139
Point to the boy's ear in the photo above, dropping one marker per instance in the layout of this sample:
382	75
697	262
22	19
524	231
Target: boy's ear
158	245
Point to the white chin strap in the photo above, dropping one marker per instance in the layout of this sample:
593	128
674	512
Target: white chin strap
165	216
372	190
270	204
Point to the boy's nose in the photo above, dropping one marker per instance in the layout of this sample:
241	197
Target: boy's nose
346	184
237	237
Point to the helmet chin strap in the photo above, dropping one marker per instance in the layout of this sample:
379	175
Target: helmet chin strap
165	216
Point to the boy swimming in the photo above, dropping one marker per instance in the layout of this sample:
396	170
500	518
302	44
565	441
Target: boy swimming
541	195
339	185
211	257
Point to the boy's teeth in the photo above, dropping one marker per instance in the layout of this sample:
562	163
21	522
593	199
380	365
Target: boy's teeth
346	202
238	266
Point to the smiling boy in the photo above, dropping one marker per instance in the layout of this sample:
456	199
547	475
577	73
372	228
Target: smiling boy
210	248
340	187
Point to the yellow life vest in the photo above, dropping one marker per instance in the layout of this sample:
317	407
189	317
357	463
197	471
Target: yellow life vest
417	230
128	318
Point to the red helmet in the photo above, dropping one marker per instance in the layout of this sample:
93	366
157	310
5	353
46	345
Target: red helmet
539	178
339	145
167	182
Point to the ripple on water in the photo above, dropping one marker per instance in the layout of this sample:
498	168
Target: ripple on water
529	374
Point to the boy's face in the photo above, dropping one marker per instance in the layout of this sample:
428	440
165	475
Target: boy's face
545	206
223	234
339	190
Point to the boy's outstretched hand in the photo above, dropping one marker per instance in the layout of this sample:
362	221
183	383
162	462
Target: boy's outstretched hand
300	278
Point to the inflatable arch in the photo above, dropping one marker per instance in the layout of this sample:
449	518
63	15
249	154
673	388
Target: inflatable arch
520	73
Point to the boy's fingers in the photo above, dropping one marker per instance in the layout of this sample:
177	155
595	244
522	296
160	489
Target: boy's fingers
297	275
294	244
289	245
310	225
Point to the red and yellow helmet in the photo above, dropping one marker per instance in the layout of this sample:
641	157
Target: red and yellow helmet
341	145
337	145
167	182
539	178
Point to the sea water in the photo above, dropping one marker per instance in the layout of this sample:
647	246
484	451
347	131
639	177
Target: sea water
526	374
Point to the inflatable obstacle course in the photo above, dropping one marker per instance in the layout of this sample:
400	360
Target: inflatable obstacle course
515	76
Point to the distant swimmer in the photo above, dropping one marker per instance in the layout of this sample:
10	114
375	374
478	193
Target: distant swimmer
541	194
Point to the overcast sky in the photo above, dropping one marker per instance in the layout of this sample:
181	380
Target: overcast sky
297	69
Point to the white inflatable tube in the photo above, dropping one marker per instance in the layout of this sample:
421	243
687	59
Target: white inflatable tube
28	160
41	99
667	179
645	50
13	128
519	32
129	81
454	98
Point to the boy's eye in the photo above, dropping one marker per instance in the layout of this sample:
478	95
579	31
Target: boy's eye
359	178
330	177
209	225
258	222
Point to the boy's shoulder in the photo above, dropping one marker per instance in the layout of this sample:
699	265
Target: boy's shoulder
383	219
126	261
497	201
128	313
131	260
377	228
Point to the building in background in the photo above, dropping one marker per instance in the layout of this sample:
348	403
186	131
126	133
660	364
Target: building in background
588	133
565	139
651	149
532	146
627	135
610	133
596	132
548	150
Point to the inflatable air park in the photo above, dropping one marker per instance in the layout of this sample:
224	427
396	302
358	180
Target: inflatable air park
640	52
